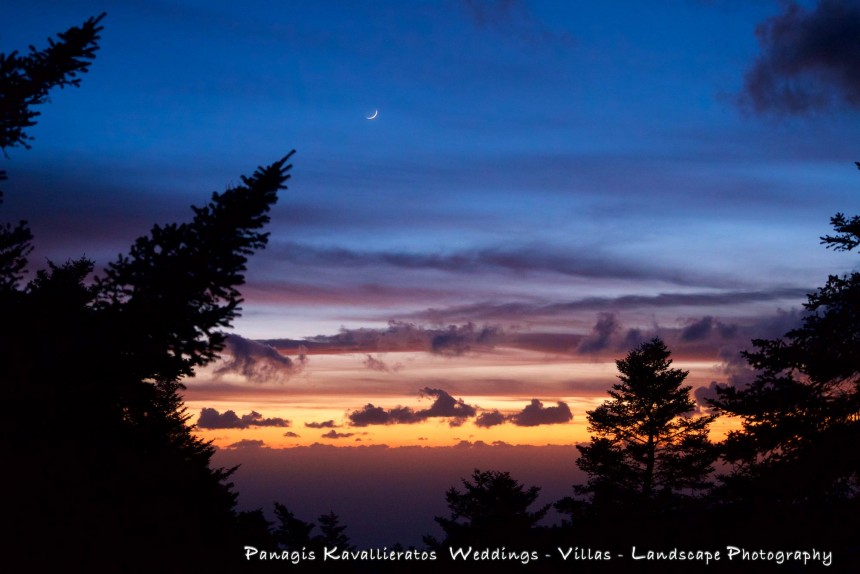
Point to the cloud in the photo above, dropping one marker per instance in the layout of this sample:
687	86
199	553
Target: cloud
457	341
809	60
468	444
527	260
257	362
704	327
212	419
490	419
370	414
323	425
512	311
736	369
247	443
291	434
444	406
333	434
512	18
536	414
451	341
606	326
375	364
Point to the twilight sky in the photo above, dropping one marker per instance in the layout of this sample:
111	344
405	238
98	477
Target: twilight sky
546	184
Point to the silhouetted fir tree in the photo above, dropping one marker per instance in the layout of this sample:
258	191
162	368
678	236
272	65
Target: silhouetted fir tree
646	443
25	81
290	532
104	470
492	510
795	458
332	533
648	456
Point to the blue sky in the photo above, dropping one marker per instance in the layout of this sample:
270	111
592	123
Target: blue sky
524	152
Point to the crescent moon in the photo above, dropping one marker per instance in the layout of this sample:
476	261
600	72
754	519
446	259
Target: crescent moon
373	117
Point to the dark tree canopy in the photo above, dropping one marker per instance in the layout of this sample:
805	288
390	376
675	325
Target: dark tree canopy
291	533
493	508
103	360
801	416
645	441
332	533
104	470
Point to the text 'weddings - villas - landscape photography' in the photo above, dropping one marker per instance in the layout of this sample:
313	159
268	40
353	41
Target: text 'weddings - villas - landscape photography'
527	286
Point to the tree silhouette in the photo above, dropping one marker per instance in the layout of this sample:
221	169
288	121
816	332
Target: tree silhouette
646	444
801	416
290	532
493	509
794	474
332	533
25	81
104	467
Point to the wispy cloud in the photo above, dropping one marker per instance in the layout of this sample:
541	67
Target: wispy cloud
512	311
524	260
513	19
451	341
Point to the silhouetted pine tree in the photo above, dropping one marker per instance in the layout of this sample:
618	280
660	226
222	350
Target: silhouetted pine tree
290	532
103	470
648	458
795	458
492	510
646	444
332	533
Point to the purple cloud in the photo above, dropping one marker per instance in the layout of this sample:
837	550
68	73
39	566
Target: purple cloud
212	419
444	406
536	414
490	419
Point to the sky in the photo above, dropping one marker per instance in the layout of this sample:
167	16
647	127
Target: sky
544	186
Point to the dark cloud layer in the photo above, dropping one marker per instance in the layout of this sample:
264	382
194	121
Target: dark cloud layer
450	341
521	261
212	419
444	406
536	414
809	60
